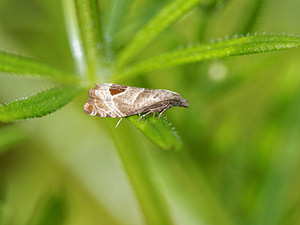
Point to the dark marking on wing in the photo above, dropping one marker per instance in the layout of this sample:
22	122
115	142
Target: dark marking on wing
117	89
88	107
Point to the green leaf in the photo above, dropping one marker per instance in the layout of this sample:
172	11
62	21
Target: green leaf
38	105
232	47
169	14
159	131
25	66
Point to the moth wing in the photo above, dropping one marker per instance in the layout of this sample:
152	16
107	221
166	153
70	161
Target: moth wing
96	107
139	100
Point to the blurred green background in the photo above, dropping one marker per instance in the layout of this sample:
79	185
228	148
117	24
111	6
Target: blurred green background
241	135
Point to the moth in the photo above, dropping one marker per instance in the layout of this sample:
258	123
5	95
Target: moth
114	100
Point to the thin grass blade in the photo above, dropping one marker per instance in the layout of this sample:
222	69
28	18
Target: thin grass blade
232	47
168	15
20	65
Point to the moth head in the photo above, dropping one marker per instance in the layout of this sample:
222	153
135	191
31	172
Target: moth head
182	103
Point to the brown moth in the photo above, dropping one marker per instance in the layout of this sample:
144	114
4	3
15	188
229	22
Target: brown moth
114	100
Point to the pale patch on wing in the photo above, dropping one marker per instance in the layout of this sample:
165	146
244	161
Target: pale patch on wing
108	99
134	95
125	101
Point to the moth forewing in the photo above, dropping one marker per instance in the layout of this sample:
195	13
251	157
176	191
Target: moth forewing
113	100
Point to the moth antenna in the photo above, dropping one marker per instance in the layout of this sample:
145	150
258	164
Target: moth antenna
119	122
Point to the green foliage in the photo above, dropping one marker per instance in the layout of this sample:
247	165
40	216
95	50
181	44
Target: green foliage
254	15
232	47
169	14
52	210
136	166
37	105
223	137
159	131
89	27
114	19
9	136
24	66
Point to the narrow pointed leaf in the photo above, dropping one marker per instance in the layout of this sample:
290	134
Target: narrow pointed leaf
232	47
37	105
20	65
159	131
168	15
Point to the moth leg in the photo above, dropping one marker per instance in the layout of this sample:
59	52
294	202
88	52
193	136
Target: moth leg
119	122
144	115
160	114
154	114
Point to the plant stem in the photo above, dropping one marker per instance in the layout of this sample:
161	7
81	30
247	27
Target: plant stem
136	166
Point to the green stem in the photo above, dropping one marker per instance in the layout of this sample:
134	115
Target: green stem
88	29
136	166
75	40
85	36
